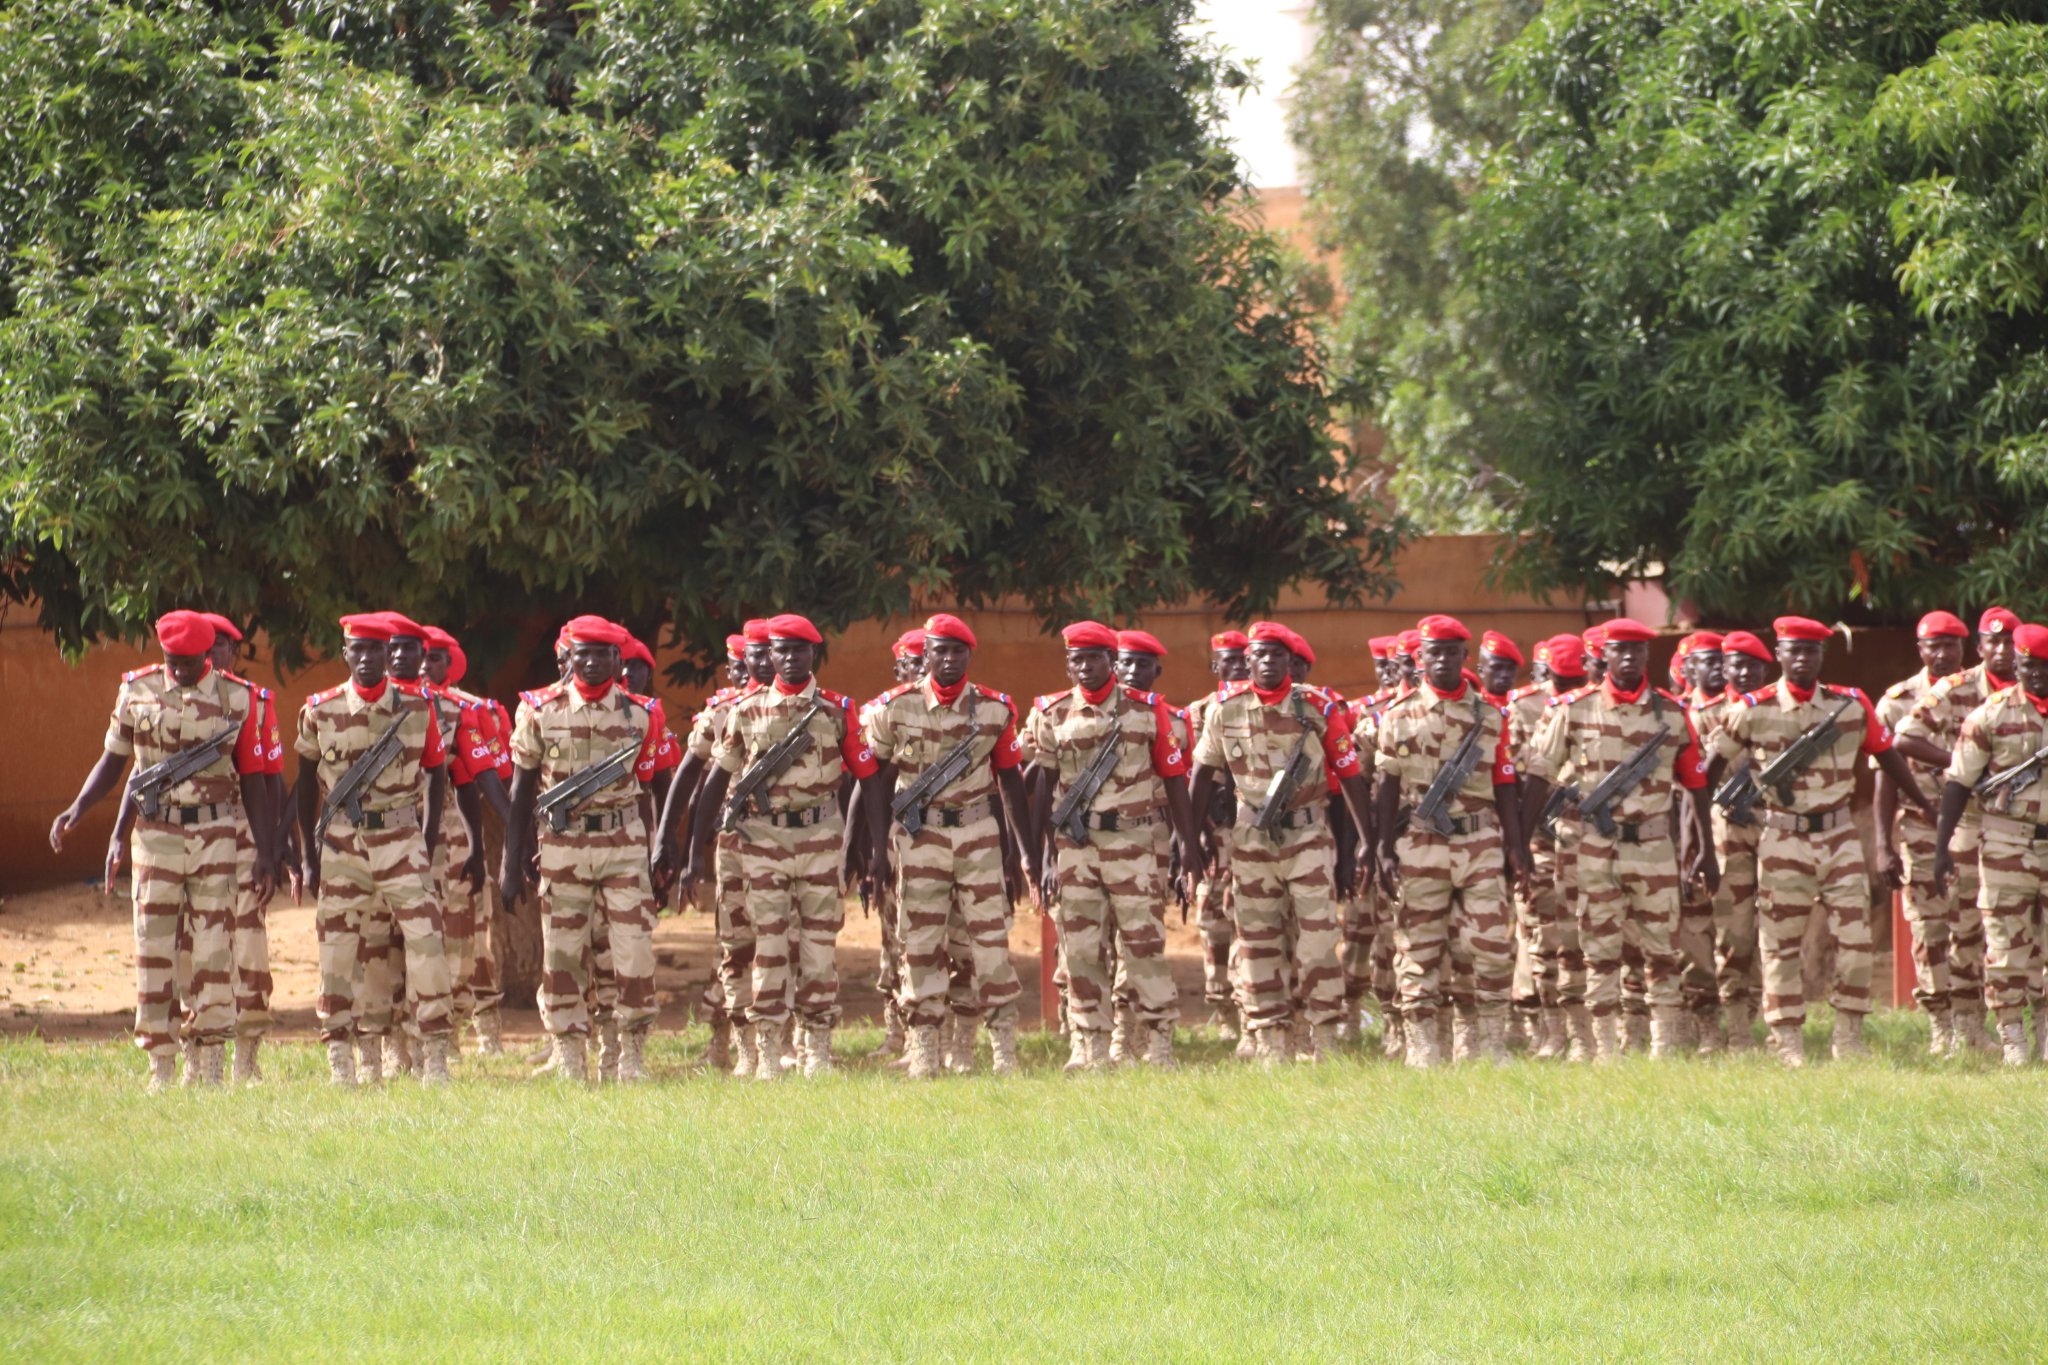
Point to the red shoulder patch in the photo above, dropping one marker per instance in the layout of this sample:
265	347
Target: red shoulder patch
140	673
321	698
1045	700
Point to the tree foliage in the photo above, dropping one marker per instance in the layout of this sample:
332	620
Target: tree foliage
1770	275
677	307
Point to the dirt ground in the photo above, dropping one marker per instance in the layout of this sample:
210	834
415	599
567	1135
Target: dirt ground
67	965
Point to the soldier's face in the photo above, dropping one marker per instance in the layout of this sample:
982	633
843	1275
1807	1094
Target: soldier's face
593	664
736	671
1746	672
404	655
2034	676
186	669
1800	660
1269	661
1229	665
1496	672
794	660
437	665
365	660
638	676
1411	669
1709	675
1089	668
1539	672
1297	667
1627	661
224	652
760	661
1443	663
1388	671
1942	654
1135	668
1997	653
946	660
909	667
1596	665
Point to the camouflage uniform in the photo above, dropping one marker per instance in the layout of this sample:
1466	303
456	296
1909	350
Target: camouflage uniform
950	873
1282	881
1213	917
1628	878
597	867
184	858
1110	886
1450	881
1385	983
2004	732
787	848
1546	922
732	924
1735	956
1808	855
375	878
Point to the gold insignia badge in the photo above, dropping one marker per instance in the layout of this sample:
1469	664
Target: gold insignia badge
331	754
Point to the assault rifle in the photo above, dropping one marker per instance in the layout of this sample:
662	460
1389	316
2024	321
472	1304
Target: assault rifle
1429	811
908	807
773	763
1286	782
1997	790
561	801
347	794
1739	795
1553	809
1781	772
146	789
1610	791
1070	817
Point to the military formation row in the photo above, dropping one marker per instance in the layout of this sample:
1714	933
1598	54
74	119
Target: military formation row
1481	865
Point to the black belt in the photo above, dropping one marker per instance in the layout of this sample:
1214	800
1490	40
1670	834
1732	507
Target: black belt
1639	832
1471	824
797	819
393	817
953	817
1301	817
1110	821
604	820
195	815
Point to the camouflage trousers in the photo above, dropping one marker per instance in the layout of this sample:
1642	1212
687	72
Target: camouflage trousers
184	871
792	893
461	908
597	919
1798	875
1213	918
1110	895
1451	883
2013	871
1288	925
1628	891
734	927
948	881
1735	937
248	947
1948	931
376	886
1361	929
889	964
1549	916
1696	980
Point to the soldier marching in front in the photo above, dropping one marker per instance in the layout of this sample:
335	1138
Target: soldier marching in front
1212	913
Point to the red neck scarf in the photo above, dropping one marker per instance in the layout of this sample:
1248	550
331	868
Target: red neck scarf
1275	697
1098	697
1800	694
372	695
946	696
782	689
588	693
1616	694
1445	696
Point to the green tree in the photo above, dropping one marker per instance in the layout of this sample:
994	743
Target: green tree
1395	110
1770	277
673	307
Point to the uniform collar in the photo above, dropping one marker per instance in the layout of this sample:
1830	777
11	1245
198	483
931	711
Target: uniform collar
1087	698
1790	694
577	701
942	697
808	690
207	686
1274	698
358	703
1456	694
1621	698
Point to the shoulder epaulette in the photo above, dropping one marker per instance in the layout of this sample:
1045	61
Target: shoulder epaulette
992	694
899	690
320	698
137	675
838	699
1044	700
644	703
1236	689
541	696
1761	695
1673	698
1525	690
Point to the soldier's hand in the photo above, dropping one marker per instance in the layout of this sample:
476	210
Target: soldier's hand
262	882
1034	886
1944	871
473	871
1710	870
309	874
1390	876
511	883
61	826
1894	868
289	867
117	863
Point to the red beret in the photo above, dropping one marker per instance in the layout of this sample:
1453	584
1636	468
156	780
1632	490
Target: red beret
1799	628
735	646
909	644
633	649
1626	628
1271	630
950	628
595	630
458	662
398	623
1495	643
1089	635
1938	623
1699	640
365	625
1441	627
438	638
1383	646
1410	641
562	640
790	626
1564	655
1997	621
756	631
223	625
2031	641
1140	642
1593	638
184	632
1228	639
1743	642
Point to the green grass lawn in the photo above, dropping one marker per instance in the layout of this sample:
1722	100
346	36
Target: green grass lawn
1693	1210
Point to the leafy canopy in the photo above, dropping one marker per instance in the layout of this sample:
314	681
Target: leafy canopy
677	308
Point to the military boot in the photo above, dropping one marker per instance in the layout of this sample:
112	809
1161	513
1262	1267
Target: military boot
212	1060
1224	1020
785	1044
1121	1028
817	1050
1580	1044
1550	1040
1741	1030
1940	1033
1848	1040
608	1050
892	1030
957	1046
718	1052
768	1050
1273	1045
1787	1041
569	1058
188	1063
633	1056
924	1053
1667	1024
1464	1033
2012	1036
247	1070
1607	1036
1967	1032
490	1039
1636	1033
1392	1042
1347	1026
1423	1050
1159	1045
1490	1035
1707	1029
1077	1050
369	1059
341	1062
745	1060
397	1057
1002	1046
2040	1037
163	1072
434	1059
1518	1030
1247	1049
